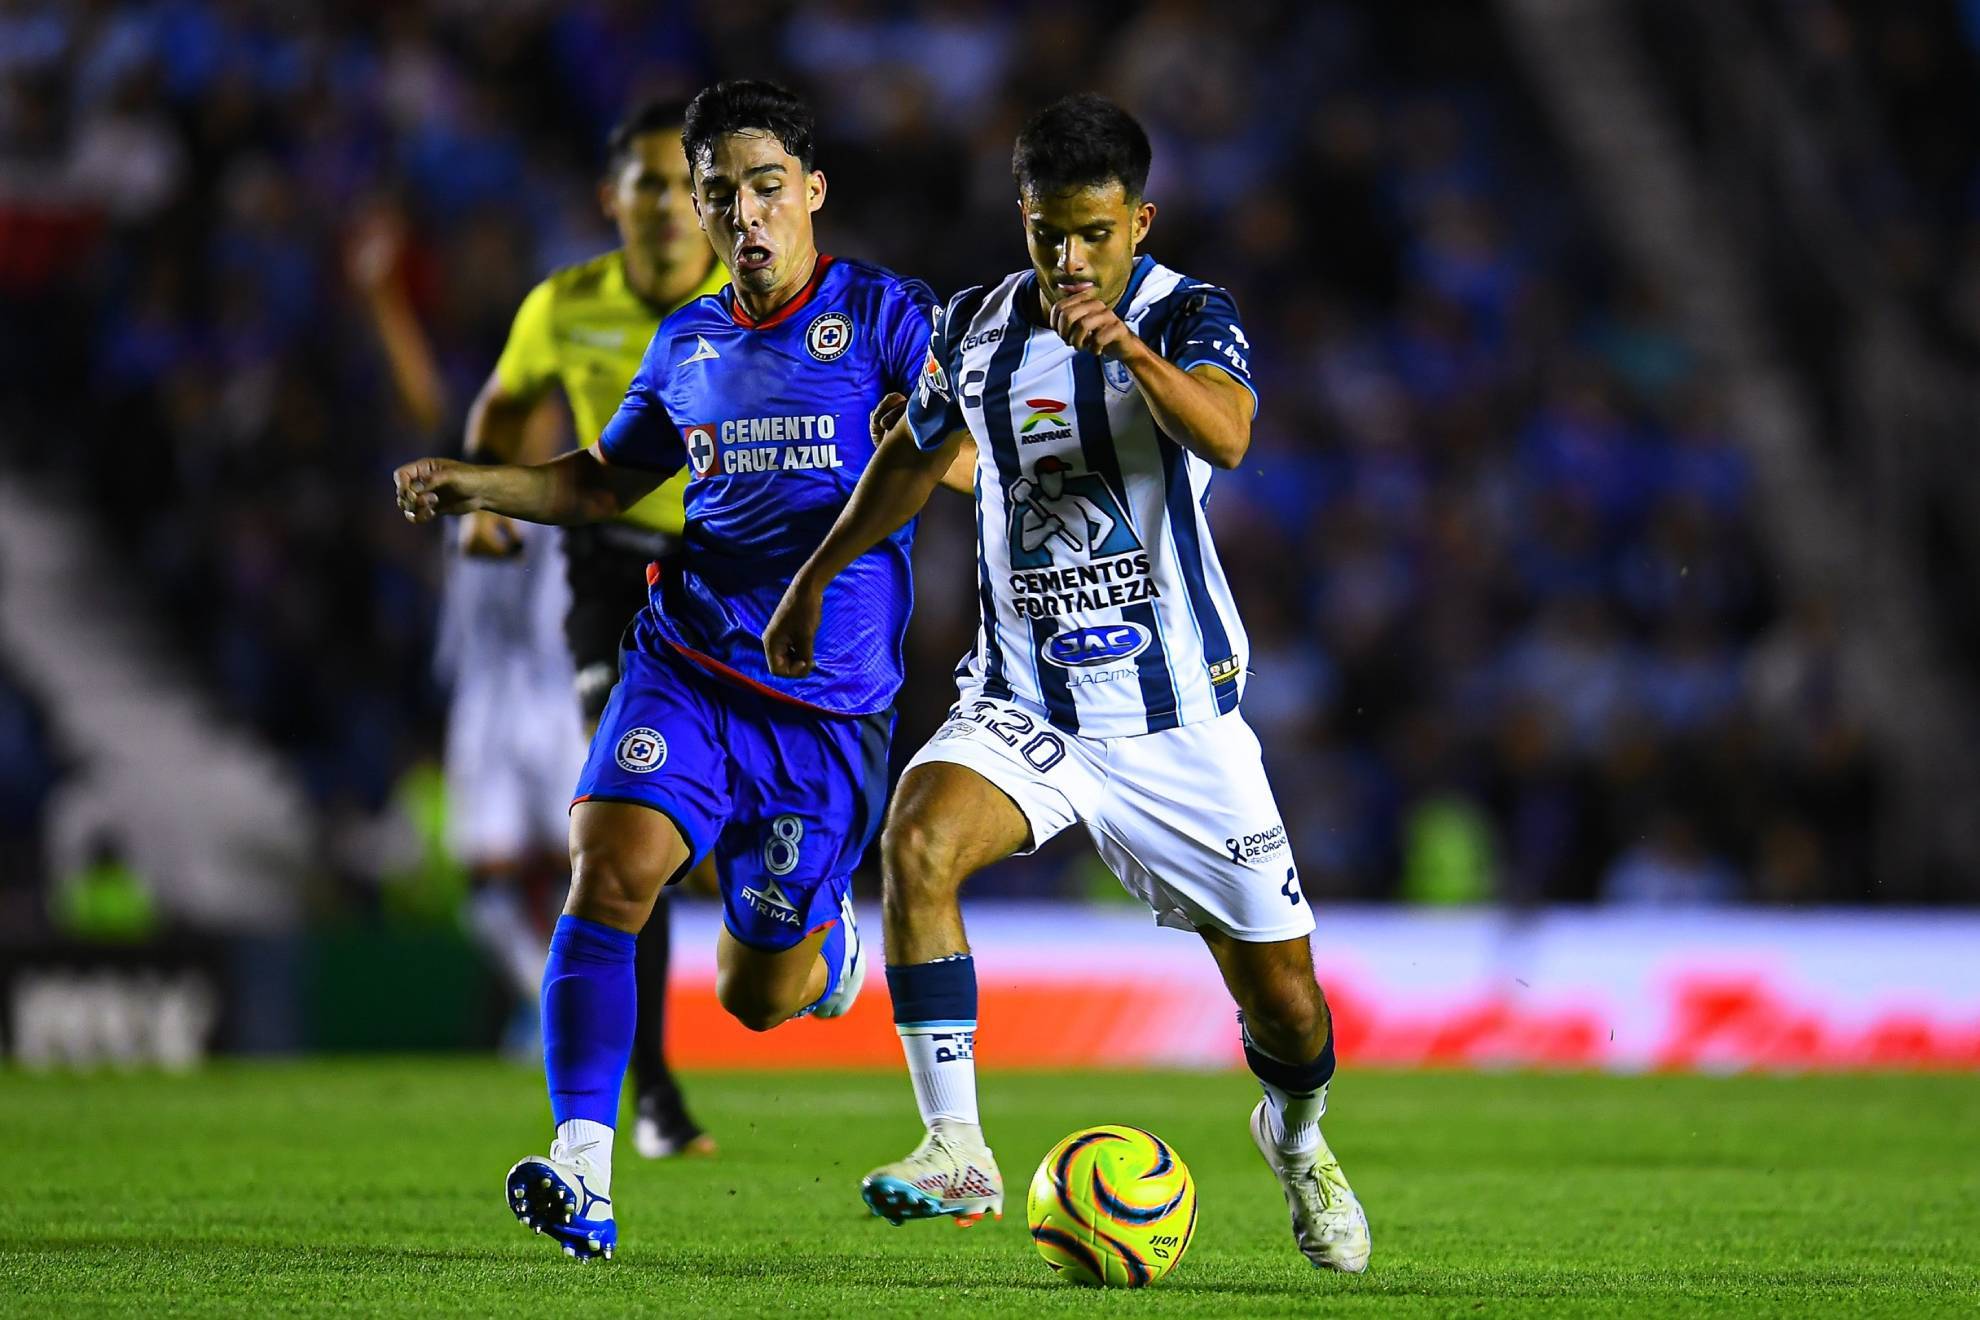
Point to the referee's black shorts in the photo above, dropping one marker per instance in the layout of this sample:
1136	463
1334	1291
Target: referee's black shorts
607	566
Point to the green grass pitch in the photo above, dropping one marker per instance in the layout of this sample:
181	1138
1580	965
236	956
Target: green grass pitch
376	1186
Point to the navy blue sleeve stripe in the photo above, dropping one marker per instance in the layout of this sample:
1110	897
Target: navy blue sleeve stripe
1189	559
1053	683
961	311
935	402
1096	443
994	683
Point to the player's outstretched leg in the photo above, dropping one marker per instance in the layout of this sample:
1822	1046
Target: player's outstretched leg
819	976
947	822
1289	1043
621	854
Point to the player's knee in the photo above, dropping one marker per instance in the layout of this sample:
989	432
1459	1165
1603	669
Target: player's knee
743	1000
610	887
916	859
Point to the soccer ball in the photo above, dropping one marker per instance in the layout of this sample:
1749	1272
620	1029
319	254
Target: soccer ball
1112	1206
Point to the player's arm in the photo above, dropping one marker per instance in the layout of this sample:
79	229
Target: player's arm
578	487
1205	408
961	476
894	487
638	449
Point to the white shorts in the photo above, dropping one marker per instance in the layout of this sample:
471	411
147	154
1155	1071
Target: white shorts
1184	817
514	749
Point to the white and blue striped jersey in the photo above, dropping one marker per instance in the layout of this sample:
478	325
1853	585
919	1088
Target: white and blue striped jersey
1103	605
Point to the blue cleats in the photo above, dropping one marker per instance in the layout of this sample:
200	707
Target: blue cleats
550	1196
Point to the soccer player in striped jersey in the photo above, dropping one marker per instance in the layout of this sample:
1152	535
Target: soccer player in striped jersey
1103	390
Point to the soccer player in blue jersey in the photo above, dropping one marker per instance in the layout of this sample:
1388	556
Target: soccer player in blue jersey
1103	391
762	392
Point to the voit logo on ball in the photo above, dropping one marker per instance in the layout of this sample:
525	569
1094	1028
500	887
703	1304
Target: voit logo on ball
642	750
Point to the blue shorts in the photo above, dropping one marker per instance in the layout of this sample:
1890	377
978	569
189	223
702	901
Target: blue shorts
786	797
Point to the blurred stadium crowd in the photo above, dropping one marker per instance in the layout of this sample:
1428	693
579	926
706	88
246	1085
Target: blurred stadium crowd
1513	635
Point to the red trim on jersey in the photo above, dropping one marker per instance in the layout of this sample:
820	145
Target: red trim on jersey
789	309
720	670
652	574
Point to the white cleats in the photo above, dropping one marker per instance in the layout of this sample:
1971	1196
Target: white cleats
550	1196
852	968
950	1173
1328	1222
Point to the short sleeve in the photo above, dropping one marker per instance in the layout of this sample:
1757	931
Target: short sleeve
911	307
1206	328
933	414
529	359
641	434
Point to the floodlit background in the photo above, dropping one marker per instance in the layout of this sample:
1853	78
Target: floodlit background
1608	542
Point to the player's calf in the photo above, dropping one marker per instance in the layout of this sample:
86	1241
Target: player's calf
819	975
1289	1044
761	989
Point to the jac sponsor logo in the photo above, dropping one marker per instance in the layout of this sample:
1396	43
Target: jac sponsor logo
1097	645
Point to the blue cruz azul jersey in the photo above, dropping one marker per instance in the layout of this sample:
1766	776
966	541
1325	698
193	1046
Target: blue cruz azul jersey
1103	604
770	418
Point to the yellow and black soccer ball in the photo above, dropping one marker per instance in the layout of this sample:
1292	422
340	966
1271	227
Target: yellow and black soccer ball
1112	1206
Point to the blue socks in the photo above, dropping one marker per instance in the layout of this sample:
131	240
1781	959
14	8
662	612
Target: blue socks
935	1014
589	1008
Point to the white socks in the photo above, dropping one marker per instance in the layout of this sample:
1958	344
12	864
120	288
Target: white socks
501	928
1294	1120
942	1064
589	1146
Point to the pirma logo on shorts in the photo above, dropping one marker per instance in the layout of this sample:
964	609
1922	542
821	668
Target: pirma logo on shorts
642	750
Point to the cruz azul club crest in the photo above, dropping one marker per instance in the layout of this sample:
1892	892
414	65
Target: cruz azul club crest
700	442
829	336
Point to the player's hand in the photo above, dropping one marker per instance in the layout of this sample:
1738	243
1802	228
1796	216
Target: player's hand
428	487
788	638
1090	326
486	535
885	413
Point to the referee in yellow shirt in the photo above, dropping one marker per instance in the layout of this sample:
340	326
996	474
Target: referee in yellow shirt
586	328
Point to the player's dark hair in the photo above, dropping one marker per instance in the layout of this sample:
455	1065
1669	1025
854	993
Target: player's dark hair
1080	141
657	116
744	104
